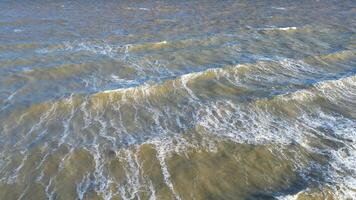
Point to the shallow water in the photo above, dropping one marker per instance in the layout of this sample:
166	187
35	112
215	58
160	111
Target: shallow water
177	100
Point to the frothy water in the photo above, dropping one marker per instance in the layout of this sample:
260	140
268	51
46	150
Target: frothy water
177	100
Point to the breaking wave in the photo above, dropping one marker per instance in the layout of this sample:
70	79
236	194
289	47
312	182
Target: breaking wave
179	116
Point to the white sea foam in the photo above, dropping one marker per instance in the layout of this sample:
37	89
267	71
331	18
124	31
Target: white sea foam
288	28
279	8
138	8
289	197
119	51
18	30
123	81
83	186
95	47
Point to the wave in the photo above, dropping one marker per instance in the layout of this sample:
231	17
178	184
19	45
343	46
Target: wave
273	28
308	117
268	77
119	50
254	80
285	107
145	67
174	94
260	104
134	8
267	122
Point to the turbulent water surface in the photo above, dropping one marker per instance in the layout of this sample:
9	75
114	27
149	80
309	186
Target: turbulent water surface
177	100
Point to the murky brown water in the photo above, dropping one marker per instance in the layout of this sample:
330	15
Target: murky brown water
177	100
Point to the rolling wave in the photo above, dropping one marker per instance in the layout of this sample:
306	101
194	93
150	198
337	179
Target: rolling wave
245	104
